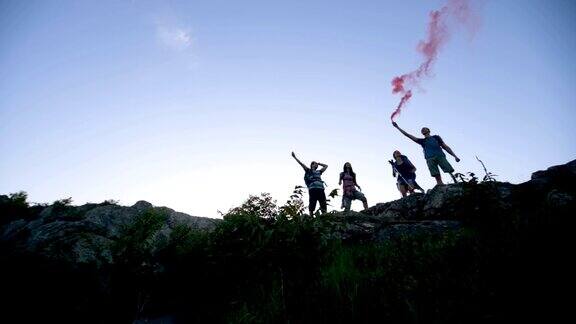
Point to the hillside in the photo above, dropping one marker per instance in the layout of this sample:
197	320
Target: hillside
466	252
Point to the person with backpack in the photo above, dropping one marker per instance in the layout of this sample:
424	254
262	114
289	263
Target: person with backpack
348	179
406	171
313	180
435	157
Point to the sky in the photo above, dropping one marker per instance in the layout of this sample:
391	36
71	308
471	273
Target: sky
195	105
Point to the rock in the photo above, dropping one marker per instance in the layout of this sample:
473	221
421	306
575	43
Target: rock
446	207
111	218
85	234
400	230
141	206
13	230
355	227
556	172
557	199
556	177
402	209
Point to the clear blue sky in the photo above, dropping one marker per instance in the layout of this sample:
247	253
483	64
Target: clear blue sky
196	104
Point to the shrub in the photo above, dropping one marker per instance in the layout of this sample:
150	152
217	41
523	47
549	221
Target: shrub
13	207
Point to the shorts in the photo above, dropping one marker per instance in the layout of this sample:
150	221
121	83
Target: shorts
317	195
436	161
411	179
347	199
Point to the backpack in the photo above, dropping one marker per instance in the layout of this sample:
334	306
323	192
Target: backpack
310	177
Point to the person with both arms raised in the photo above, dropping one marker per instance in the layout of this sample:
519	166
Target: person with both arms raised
313	180
435	157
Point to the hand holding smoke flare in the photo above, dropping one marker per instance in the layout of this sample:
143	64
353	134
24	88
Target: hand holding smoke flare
438	34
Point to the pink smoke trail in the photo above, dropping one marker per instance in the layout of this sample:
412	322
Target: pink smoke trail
438	35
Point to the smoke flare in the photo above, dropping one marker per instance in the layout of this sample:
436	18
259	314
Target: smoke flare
438	35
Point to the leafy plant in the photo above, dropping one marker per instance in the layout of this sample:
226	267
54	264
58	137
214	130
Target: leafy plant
63	202
264	206
333	193
489	176
14	206
19	198
469	177
136	240
294	207
109	202
136	268
472	178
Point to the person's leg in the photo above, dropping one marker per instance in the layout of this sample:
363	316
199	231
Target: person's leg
322	200
364	200
433	168
409	185
360	196
347	204
438	179
446	167
312	202
414	186
402	189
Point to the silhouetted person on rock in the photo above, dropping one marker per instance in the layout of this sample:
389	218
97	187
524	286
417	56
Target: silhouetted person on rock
313	180
348	179
406	172
435	157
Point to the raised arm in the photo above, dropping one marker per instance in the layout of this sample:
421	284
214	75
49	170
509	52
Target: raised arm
449	150
415	139
300	162
324	167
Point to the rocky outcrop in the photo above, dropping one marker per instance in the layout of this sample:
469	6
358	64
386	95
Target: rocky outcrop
461	253
447	207
84	234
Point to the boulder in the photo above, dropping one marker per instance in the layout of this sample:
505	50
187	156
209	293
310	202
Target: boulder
85	234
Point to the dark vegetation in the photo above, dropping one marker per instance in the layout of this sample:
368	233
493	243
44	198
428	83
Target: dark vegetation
266	263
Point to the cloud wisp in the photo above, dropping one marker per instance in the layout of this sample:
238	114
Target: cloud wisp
175	38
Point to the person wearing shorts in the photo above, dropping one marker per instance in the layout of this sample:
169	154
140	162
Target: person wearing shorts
433	147
349	185
313	180
406	181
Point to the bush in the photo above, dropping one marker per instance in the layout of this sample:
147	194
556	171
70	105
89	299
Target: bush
13	207
136	241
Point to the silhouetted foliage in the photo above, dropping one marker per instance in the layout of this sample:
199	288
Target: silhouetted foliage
265	263
333	193
472	178
15	206
469	177
109	202
63	202
488	176
294	206
137	239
